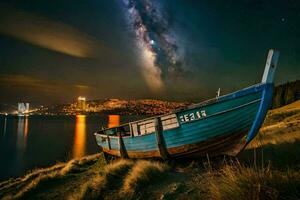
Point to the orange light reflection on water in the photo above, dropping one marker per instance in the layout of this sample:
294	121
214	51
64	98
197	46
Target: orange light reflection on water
113	121
80	136
26	130
22	132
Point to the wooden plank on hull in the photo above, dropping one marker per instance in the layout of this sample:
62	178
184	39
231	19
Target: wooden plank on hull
215	146
108	142
160	139
123	152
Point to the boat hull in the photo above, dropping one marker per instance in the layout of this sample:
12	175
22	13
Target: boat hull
229	145
223	130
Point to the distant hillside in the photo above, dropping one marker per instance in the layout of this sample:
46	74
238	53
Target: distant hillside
135	107
283	94
116	106
6	108
286	93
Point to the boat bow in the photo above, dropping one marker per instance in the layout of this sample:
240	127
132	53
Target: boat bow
268	80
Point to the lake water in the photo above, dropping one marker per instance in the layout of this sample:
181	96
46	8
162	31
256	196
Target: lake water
31	142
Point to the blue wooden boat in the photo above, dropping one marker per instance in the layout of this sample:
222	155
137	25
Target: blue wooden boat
220	126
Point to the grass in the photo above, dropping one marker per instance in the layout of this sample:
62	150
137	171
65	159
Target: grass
142	174
12	184
237	182
23	188
121	179
104	182
286	131
278	141
283	114
282	125
269	168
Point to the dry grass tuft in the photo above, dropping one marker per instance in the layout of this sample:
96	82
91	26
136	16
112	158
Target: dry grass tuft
120	179
20	188
282	125
142	173
117	169
76	165
110	179
71	166
45	178
283	114
89	160
238	182
90	190
12	183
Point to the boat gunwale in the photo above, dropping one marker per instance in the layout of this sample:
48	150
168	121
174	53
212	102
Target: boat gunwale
223	98
224	111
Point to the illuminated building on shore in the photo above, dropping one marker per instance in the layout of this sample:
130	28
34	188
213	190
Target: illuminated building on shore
81	103
23	108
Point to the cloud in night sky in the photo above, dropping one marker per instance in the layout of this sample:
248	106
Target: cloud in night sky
48	34
29	82
20	85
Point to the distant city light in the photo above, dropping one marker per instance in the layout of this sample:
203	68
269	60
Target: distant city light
81	103
81	98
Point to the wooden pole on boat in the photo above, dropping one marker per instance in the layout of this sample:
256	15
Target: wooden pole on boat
108	142
160	139
123	152
270	67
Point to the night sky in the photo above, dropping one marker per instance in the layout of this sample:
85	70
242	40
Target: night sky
53	51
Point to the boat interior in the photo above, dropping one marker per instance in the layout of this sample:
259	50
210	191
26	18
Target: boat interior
141	127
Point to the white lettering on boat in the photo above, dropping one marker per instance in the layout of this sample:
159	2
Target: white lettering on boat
186	118
192	116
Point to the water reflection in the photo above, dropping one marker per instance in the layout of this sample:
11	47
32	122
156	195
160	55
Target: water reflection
4	127
113	121
80	136
22	132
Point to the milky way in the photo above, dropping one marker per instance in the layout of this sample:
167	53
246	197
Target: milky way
162	58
